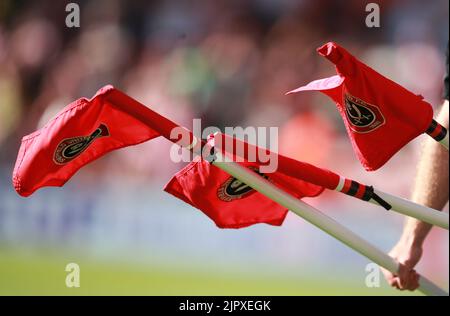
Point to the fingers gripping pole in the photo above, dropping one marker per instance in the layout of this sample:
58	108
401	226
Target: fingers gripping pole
319	219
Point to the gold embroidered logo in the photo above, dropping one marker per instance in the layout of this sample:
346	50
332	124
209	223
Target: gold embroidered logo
362	116
70	148
234	189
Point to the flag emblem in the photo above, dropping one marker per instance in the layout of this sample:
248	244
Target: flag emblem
234	189
70	148
362	116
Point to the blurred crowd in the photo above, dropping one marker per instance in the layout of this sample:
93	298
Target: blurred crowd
228	62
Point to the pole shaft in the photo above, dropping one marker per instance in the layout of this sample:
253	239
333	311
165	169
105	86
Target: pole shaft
412	209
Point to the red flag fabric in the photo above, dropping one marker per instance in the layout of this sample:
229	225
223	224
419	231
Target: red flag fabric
80	133
380	115
233	204
87	129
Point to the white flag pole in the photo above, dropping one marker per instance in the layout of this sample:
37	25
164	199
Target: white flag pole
421	212
320	220
405	207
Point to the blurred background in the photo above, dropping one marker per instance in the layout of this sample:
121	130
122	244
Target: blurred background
229	63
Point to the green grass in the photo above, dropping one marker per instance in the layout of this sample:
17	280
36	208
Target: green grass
44	274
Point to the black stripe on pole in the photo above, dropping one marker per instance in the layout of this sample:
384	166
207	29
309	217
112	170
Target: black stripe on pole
441	134
432	127
432	130
368	192
354	186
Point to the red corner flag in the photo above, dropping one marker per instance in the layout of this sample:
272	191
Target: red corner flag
380	115
231	203
87	129
80	133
